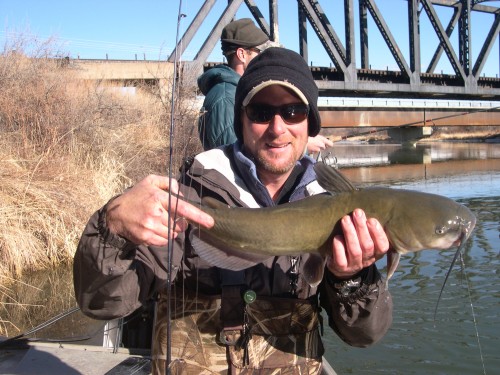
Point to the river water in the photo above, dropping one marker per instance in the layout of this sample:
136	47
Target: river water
465	336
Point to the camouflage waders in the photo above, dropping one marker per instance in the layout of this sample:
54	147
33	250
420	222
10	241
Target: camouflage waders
194	325
280	336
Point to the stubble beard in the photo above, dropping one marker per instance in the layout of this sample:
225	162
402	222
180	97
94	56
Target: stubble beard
264	162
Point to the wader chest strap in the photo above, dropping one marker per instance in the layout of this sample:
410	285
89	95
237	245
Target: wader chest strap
232	303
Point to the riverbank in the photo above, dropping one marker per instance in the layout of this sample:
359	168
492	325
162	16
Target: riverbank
444	133
66	147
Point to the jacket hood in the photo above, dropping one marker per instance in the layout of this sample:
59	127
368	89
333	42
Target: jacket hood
216	75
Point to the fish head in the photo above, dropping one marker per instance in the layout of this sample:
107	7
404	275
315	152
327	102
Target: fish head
457	230
440	224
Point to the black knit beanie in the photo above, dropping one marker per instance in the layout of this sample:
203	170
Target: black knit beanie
278	66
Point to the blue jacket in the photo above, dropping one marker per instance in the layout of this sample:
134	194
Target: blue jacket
215	125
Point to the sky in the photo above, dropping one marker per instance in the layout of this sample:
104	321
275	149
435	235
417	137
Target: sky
147	29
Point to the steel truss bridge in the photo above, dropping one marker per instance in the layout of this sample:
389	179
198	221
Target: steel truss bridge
350	77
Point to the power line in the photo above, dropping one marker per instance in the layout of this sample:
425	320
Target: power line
76	45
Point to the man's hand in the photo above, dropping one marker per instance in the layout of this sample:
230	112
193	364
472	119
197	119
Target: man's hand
318	143
362	244
141	214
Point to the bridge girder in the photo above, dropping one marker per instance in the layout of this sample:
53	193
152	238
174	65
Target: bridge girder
347	78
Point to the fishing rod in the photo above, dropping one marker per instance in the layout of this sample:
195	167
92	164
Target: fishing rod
454	115
432	120
171	213
18	340
40	326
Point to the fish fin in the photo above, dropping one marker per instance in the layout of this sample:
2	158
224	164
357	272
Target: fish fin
314	268
224	258
392	263
331	179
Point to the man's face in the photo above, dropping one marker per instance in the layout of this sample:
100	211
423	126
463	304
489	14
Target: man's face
275	145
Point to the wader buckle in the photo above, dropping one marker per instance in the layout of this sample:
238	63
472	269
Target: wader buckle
230	336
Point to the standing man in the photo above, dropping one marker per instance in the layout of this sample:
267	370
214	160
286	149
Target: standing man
265	318
241	41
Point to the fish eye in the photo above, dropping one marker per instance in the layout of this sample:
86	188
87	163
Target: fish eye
440	230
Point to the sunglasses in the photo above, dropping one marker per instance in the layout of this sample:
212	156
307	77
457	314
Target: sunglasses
290	113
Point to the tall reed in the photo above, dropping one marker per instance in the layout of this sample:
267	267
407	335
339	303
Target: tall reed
68	145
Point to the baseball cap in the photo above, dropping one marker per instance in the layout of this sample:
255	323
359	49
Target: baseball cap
242	33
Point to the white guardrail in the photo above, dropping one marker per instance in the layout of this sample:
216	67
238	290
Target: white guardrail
325	102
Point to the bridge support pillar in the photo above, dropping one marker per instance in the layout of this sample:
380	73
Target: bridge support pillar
408	135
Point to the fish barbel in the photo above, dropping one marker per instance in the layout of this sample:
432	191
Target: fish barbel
413	221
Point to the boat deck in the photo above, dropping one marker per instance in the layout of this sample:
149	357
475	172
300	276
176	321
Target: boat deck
71	359
25	357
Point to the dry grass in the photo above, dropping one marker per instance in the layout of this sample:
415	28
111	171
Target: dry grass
66	147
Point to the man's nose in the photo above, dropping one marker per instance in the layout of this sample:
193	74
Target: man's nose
277	125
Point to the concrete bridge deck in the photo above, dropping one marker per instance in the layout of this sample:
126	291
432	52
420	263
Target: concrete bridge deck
336	112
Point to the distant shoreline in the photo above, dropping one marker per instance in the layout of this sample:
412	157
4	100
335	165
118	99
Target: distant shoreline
489	134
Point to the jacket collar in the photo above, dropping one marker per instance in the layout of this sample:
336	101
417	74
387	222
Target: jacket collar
248	172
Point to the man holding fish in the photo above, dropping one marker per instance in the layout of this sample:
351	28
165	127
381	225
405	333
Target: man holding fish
232	309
